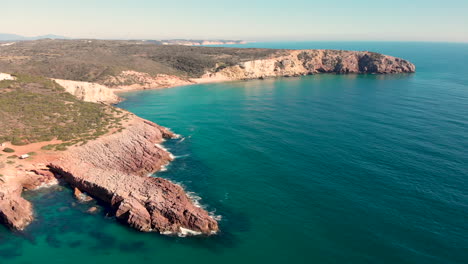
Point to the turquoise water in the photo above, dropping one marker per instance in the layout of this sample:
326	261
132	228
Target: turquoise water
317	169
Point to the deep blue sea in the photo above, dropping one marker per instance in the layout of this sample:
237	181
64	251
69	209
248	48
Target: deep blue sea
317	169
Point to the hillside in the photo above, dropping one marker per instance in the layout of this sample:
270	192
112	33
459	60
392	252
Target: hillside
36	109
94	60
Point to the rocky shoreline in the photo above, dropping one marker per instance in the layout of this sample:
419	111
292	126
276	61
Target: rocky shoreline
114	167
288	63
114	170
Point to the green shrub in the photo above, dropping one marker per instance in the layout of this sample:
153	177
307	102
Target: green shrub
8	150
44	111
61	147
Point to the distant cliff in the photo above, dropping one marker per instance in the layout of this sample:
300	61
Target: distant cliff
89	92
190	42
102	61
307	62
93	70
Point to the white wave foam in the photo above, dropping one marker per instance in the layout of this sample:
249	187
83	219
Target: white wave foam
163	168
166	150
185	232
167	233
175	136
49	184
196	200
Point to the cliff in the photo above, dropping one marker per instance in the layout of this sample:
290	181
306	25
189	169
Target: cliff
307	62
15	211
99	149
89	92
280	64
115	168
110	158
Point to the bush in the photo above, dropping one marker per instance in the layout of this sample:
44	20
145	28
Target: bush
8	150
61	147
43	111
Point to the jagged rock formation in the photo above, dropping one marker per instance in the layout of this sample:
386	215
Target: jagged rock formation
306	62
115	169
15	211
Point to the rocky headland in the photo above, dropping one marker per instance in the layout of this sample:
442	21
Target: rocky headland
115	168
287	63
111	160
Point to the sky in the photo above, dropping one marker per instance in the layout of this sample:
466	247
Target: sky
255	20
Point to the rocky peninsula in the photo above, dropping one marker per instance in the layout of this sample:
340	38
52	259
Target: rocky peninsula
111	157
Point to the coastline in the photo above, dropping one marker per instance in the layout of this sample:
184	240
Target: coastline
124	164
288	63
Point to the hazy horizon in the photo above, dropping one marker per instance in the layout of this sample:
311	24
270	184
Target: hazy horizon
261	20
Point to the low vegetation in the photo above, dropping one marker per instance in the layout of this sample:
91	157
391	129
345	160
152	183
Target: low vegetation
35	109
93	61
8	150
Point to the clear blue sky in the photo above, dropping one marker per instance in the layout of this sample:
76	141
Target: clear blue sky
412	20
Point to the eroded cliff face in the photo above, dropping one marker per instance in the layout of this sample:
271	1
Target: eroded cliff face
280	64
115	168
306	62
89	92
133	80
15	211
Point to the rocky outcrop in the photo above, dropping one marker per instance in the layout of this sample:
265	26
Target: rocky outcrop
15	211
6	76
306	62
89	92
115	168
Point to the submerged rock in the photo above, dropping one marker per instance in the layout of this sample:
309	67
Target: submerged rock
82	197
92	210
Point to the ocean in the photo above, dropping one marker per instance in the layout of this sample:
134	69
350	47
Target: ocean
314	169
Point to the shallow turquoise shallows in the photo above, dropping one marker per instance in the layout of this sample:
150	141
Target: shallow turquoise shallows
317	169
